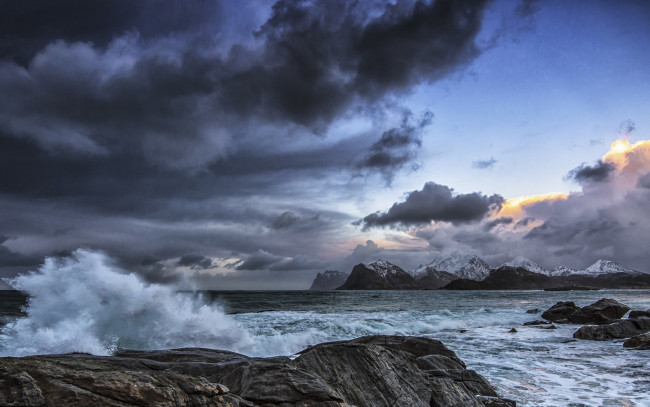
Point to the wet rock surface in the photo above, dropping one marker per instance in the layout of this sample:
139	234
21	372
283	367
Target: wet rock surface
625	328
560	311
638	342
601	312
368	371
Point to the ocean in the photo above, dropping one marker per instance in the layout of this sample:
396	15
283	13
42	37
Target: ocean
536	367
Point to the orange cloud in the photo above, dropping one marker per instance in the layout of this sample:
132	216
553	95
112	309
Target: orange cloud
629	157
513	207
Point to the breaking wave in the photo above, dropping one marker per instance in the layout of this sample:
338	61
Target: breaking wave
86	303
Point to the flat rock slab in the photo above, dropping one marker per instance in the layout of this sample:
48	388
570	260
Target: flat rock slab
369	371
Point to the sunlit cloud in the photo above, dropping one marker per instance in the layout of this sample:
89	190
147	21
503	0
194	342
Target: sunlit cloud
514	207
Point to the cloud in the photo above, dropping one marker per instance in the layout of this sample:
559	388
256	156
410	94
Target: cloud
626	128
436	203
260	260
195	261
644	181
396	148
484	164
504	220
584	173
153	130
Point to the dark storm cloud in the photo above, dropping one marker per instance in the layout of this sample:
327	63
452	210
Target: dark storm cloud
260	260
195	261
28	26
584	173
320	56
138	128
484	164
435	202
396	148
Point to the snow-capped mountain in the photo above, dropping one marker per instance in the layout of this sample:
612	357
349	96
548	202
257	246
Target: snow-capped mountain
529	265
606	267
461	265
384	268
329	280
378	275
562	271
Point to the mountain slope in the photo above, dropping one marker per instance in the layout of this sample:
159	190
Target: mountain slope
329	280
528	264
462	266
379	275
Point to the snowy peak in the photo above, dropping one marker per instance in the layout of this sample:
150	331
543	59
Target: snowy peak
462	265
384	268
529	265
562	271
606	267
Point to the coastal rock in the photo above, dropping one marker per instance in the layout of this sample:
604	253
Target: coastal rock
624	328
329	280
368	371
536	322
601	312
639	314
638	342
560	311
533	311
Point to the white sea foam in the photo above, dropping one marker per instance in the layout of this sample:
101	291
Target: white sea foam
85	303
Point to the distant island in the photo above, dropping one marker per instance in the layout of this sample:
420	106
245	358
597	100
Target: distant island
468	272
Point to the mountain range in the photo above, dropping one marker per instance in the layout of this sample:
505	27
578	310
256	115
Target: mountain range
468	272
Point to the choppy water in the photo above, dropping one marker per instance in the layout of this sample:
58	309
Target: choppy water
89	305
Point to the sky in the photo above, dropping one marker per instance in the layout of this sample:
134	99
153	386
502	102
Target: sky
252	144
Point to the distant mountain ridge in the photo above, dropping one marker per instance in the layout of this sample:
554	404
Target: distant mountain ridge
600	267
460	271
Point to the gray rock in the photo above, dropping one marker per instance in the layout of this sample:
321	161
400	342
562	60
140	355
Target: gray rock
638	342
496	401
560	311
533	311
638	314
368	371
600	312
624	328
536	322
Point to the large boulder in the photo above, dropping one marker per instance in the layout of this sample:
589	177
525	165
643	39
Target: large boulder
368	371
560	311
601	312
638	342
639	314
620	329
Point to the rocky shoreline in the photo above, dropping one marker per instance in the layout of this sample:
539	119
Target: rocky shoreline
368	371
603	321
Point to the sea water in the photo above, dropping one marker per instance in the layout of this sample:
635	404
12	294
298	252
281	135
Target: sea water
87	304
